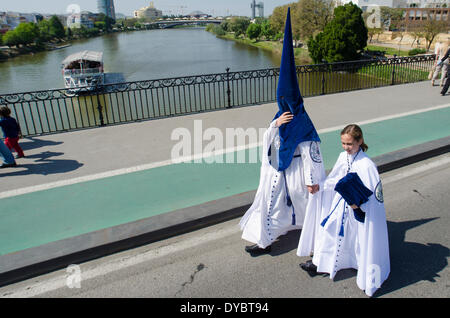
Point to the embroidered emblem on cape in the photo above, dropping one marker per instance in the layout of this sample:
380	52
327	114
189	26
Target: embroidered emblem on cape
276	142
379	192
314	152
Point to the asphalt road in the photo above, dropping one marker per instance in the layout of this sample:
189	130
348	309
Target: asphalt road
211	262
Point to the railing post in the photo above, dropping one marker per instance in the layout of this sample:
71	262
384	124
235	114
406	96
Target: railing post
393	71
228	87
323	76
99	105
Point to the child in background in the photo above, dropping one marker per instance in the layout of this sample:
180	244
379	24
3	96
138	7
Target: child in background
11	131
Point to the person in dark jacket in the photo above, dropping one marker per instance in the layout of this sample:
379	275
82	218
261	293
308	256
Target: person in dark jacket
447	80
11	130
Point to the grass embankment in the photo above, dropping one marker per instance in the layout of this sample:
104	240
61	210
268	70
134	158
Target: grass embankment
301	55
389	50
276	47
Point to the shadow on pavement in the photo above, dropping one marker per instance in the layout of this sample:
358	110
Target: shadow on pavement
43	165
411	262
29	143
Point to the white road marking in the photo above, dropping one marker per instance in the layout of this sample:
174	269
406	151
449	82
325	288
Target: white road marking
107	174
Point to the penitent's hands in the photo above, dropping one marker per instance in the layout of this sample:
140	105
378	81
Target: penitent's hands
284	118
313	189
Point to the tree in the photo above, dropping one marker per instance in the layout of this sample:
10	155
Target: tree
392	17
311	17
373	31
267	30
56	28
239	26
44	30
10	38
278	18
254	31
24	34
431	28
343	37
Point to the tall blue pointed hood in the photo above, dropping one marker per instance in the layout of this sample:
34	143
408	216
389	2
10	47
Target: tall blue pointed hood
290	100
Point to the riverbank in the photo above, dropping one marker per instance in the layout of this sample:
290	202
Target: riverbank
276	47
382	43
7	52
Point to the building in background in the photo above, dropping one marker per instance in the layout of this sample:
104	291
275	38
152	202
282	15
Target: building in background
259	6
149	12
106	7
84	18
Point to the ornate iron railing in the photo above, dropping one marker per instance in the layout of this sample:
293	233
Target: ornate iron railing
60	110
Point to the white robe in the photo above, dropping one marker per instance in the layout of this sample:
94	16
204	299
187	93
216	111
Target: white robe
363	246
269	216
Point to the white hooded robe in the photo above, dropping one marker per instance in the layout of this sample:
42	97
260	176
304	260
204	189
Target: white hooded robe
363	246
269	216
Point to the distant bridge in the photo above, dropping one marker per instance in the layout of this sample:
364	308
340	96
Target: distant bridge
166	24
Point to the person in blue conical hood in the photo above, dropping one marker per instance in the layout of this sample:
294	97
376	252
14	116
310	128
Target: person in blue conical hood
291	167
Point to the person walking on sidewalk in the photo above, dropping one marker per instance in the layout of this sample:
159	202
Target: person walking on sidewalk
11	130
8	159
291	164
354	231
441	68
447	80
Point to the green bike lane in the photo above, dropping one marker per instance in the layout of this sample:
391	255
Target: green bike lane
41	217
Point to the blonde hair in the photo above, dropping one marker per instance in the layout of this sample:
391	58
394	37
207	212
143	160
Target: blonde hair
356	132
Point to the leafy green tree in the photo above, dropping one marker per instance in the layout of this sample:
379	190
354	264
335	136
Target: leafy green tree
10	38
267	30
56	28
311	17
239	26
44	30
343	37
278	18
26	33
254	31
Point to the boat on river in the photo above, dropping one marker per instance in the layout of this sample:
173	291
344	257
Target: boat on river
83	71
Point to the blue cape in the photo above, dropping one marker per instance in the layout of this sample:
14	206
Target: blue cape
290	100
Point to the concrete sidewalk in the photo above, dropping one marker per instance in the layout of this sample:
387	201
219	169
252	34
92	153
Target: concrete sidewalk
88	193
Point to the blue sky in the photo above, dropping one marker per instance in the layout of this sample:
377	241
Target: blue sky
213	7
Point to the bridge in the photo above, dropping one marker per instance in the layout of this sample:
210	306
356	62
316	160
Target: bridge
166	24
84	193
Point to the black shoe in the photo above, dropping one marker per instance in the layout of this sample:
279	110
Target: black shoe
8	165
256	250
309	267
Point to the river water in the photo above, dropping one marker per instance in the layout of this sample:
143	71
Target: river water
139	55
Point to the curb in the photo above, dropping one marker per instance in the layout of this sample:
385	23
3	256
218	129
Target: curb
46	258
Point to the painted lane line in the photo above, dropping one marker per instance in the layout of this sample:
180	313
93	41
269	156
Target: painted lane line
186	159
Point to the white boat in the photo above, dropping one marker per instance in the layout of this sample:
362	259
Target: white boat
83	71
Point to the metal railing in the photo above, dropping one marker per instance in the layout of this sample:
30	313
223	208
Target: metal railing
51	111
